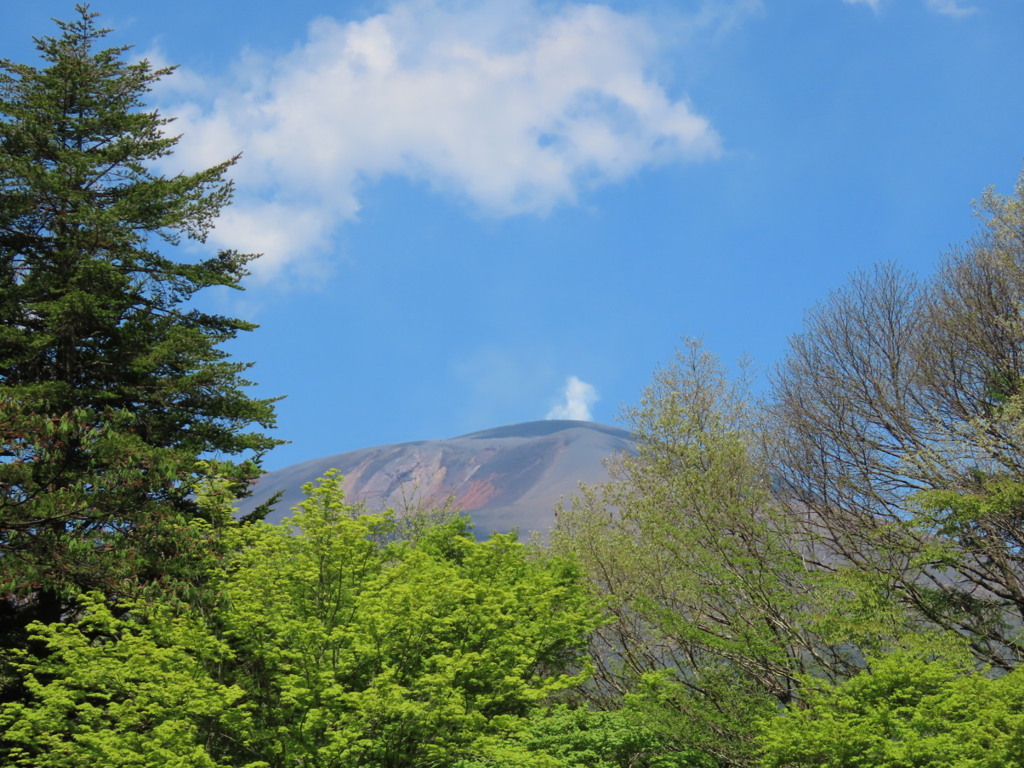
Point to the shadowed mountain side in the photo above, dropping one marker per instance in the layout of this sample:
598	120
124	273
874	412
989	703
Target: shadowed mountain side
505	478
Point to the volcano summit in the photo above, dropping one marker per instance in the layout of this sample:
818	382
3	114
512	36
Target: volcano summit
504	478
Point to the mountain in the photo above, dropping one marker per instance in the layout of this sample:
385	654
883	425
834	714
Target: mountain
505	478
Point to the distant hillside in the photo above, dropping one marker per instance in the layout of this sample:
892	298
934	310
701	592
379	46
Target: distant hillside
508	477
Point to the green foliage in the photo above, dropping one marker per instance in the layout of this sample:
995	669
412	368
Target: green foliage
583	738
577	737
899	416
333	644
981	520
703	570
110	386
361	651
130	691
904	712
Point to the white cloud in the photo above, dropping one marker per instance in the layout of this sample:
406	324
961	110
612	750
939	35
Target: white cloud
717	17
945	7
511	105
950	8
578	397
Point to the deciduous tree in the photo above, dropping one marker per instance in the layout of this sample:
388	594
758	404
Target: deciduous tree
335	644
360	650
900	414
715	607
903	711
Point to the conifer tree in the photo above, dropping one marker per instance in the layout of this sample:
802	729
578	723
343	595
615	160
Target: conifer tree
112	388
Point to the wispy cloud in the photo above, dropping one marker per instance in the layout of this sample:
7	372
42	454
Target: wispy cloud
873	4
578	397
513	106
950	8
945	7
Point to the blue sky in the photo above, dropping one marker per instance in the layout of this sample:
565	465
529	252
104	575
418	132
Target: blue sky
481	213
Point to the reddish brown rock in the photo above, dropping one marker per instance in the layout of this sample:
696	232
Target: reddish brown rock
505	478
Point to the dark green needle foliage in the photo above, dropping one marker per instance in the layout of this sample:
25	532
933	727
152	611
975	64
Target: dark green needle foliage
111	386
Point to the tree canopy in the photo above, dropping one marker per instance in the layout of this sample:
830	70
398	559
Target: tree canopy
898	412
903	711
335	645
870	503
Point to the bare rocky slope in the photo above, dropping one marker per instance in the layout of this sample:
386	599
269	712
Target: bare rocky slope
505	478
